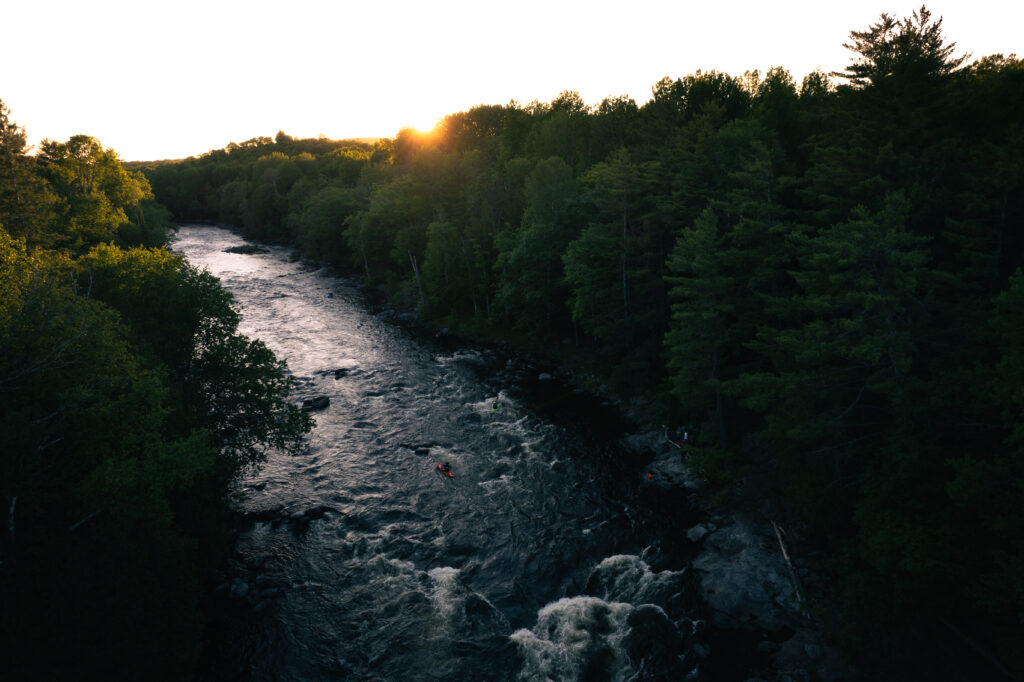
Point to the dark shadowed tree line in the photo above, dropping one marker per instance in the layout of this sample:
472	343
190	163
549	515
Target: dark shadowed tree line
823	276
129	404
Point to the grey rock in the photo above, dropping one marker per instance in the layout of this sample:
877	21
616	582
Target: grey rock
246	249
240	588
741	576
318	403
697	533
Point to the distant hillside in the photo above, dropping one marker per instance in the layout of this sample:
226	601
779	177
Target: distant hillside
311	144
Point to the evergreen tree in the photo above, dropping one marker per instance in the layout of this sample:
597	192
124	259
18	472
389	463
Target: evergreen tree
842	358
531	289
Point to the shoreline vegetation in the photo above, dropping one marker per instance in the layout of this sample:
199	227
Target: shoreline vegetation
129	405
820	282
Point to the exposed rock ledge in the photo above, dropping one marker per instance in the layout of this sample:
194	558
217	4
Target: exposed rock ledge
746	582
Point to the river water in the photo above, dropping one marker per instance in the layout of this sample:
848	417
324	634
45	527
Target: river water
543	558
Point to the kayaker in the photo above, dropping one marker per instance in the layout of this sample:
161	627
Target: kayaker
446	468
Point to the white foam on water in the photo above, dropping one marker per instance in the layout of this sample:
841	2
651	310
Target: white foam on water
395	577
498	409
586	634
444	593
574	635
469	356
626	577
501	484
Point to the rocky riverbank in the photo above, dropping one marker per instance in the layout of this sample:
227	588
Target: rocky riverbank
752	598
757	594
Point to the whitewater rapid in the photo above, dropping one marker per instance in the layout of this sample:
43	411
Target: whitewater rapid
358	561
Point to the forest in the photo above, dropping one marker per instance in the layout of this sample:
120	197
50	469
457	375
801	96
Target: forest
129	404
822	280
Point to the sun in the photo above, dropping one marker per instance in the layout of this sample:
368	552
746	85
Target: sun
423	126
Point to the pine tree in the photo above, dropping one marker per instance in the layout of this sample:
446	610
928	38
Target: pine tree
842	355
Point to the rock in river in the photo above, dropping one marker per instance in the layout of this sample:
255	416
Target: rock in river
317	403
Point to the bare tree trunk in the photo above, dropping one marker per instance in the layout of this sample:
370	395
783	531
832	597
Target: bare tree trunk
419	282
789	565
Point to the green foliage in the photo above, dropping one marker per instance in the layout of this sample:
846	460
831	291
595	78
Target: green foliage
185	321
616	262
818	276
97	194
989	485
319	225
702	304
128	403
27	204
910	50
85	474
530	289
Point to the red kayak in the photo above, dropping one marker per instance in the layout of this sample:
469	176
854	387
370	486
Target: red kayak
449	474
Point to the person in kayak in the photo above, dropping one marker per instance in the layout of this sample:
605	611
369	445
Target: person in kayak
446	468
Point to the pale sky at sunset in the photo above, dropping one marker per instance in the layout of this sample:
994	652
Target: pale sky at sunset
178	79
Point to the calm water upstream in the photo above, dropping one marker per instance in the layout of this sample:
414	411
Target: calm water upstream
542	559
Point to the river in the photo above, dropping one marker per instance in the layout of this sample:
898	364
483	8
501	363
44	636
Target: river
543	558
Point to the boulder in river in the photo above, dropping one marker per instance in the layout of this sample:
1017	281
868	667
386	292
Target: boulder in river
246	249
696	533
317	403
239	588
744	579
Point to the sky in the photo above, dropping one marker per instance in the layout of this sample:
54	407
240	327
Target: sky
170	80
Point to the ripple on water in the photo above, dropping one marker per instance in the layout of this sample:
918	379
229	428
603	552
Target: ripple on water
413	576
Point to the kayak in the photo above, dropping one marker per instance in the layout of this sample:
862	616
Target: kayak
446	473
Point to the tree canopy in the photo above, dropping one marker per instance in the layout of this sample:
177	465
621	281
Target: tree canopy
818	277
129	404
